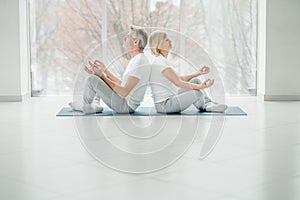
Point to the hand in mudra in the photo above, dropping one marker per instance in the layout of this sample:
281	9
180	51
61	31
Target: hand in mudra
204	70
94	69
207	83
100	64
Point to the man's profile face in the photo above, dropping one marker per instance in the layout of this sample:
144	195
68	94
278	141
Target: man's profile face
128	40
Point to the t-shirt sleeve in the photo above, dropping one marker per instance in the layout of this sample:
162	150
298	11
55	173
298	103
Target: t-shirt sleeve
139	69
137	72
164	64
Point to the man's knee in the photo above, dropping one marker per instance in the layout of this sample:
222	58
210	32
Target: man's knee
94	80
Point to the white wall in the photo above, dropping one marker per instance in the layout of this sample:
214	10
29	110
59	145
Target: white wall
25	47
13	50
282	50
261	47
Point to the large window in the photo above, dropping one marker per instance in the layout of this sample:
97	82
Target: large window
63	32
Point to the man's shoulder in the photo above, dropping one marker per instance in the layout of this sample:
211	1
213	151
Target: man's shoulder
140	60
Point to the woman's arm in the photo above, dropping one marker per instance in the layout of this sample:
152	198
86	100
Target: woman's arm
203	70
188	77
170	74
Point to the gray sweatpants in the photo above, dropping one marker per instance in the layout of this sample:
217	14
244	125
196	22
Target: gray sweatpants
96	87
184	99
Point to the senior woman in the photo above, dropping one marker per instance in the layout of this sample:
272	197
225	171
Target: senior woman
173	93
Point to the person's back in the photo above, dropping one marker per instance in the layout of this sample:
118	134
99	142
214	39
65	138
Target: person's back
122	95
165	82
140	68
161	87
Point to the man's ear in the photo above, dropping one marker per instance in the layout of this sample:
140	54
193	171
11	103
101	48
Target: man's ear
136	41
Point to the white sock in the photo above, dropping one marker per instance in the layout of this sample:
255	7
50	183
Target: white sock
215	107
92	108
76	105
96	100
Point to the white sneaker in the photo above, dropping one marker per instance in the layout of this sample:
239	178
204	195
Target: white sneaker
215	107
92	108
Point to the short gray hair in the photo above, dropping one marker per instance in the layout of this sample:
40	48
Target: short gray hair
141	34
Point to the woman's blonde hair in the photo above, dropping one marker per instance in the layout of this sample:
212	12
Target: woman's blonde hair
154	40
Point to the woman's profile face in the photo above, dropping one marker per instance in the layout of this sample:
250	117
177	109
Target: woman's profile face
165	44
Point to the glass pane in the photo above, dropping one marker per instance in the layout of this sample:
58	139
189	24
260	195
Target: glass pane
227	30
147	13
62	34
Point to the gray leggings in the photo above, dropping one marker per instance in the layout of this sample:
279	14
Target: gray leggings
184	99
95	86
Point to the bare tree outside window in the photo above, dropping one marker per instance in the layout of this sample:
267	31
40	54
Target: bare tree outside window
227	31
63	33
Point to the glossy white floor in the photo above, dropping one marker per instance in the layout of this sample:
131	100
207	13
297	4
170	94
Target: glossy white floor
257	158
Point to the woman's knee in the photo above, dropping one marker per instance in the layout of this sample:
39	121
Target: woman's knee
195	80
198	94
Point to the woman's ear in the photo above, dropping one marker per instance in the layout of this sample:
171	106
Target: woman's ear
158	51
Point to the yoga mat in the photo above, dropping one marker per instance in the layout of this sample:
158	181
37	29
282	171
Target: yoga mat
150	111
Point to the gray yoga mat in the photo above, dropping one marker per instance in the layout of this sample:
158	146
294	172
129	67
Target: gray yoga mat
150	111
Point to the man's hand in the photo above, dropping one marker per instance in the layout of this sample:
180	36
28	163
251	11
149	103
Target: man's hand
204	70
100	64
89	71
94	69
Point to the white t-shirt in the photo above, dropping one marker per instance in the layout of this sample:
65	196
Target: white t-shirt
161	87
140	68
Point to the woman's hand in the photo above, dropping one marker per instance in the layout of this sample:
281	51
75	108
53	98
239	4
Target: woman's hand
204	70
207	83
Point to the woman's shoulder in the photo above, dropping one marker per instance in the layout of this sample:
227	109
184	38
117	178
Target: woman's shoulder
160	60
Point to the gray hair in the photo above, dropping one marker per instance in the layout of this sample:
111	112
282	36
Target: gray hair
154	40
141	34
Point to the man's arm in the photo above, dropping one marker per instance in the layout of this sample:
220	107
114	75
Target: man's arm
101	65
121	90
112	76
